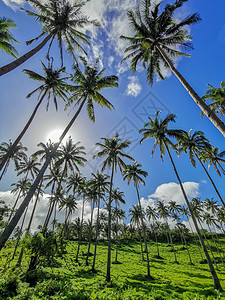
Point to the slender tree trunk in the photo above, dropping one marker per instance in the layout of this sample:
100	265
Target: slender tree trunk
198	100
171	241
80	232
217	248
156	239
116	260
144	233
210	178
185	242
18	139
8	230
5	168
109	226
196	241
96	237
11	66
216	281
90	236
140	236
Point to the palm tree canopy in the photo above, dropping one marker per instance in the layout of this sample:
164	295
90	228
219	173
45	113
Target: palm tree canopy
217	97
64	20
71	155
118	196
214	158
113	149
192	143
136	212
18	152
158	129
89	84
134	173
29	165
162	209
154	30
53	85
6	37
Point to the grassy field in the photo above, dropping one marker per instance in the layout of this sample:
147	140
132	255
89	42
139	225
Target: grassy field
66	279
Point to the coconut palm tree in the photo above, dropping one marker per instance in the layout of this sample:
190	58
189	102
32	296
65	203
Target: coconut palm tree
158	129
113	149
6	38
101	185
136	214
61	20
217	97
17	154
117	197
134	173
157	38
152	215
214	158
164	213
90	84
198	146
53	86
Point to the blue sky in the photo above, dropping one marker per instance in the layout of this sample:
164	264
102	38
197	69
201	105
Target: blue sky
133	100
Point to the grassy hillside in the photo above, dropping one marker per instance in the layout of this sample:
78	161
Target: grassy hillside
65	279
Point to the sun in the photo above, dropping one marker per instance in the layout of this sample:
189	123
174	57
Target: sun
55	134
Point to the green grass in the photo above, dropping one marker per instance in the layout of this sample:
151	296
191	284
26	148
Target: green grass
69	280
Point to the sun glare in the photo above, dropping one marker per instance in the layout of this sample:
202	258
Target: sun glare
55	134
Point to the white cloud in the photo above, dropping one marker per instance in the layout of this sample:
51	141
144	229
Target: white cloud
110	61
134	87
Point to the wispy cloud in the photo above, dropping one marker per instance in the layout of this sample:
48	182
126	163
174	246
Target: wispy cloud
134	87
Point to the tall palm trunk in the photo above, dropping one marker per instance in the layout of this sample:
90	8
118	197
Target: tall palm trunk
140	237
198	100
90	235
109	226
5	168
185	242
196	241
96	237
11	66
8	230
216	281
210	178
117	221
156	240
144	233
217	248
18	139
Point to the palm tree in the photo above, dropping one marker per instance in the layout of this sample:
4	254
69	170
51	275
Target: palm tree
136	214
88	89
113	149
29	166
53	86
6	38
16	154
61	20
117	197
134	173
198	146
217	97
157	39
101	184
214	158
164	212
152	215
158	129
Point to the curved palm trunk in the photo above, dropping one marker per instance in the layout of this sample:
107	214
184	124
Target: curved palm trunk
8	230
210	178
80	232
198	100
109	227
216	281
96	237
90	235
18	139
11	66
144	233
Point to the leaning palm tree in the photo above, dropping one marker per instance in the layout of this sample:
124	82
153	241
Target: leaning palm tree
198	147
53	86
61	20
134	173
6	38
88	88
217	97
214	158
157	39
158	129
16	154
113	149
